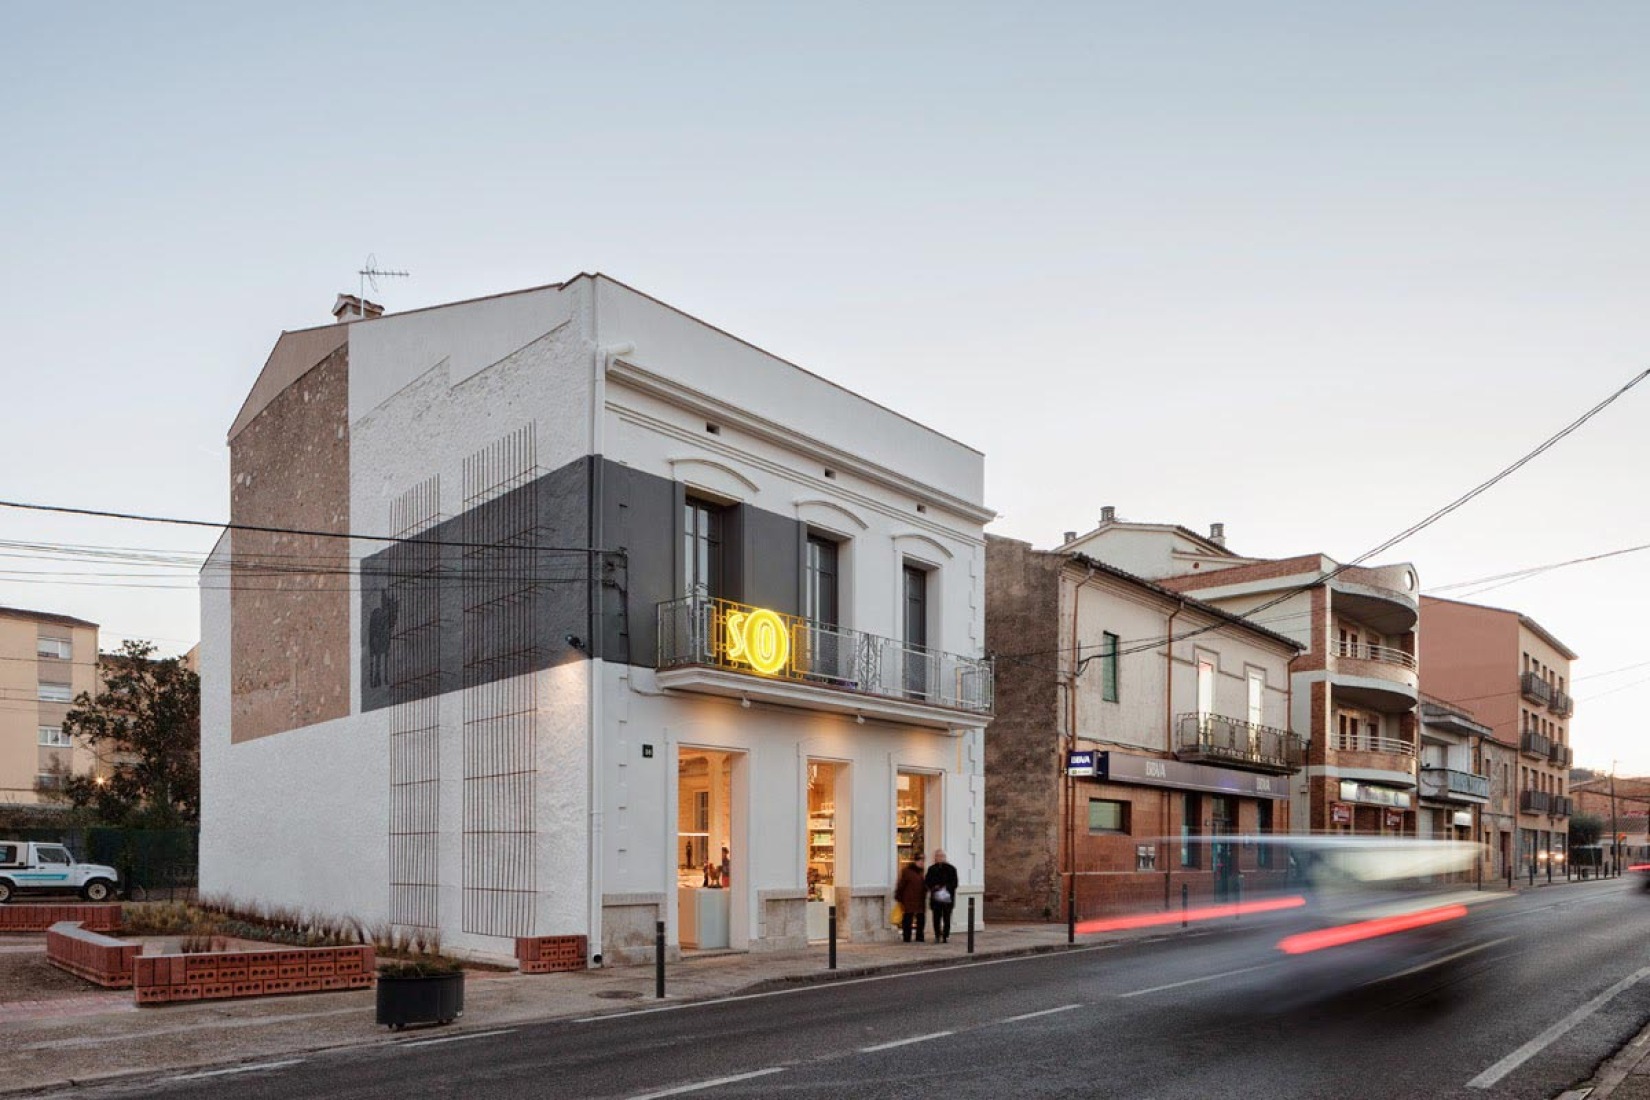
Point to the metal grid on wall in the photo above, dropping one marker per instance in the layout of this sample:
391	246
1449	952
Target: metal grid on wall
502	648
409	619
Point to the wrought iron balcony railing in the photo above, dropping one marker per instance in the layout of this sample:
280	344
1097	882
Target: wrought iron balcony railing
1367	742
1535	689
1384	653
715	633
1561	703
1562	806
1456	782
1562	755
1531	743
1535	802
1233	741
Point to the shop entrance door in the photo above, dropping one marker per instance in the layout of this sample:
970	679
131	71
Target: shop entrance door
1223	823
827	845
710	866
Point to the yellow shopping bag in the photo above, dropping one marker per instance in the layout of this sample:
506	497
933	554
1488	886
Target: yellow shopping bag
896	915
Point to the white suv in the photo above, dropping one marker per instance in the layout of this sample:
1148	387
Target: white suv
28	867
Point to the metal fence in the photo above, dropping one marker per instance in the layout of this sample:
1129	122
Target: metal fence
153	863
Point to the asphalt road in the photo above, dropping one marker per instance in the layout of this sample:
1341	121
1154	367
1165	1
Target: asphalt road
1548	985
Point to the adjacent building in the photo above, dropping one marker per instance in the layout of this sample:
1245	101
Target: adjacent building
1515	675
651	625
1458	800
46	662
1353	687
1178	713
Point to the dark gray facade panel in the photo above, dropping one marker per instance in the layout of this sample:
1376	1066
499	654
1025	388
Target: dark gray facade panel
640	515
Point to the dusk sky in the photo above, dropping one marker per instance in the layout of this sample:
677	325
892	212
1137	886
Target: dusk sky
1310	270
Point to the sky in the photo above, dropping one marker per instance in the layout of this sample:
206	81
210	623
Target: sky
1309	270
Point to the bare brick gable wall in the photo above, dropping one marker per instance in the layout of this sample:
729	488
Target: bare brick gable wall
289	632
1023	750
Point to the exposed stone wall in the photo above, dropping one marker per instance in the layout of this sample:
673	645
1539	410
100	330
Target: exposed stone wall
1023	747
290	599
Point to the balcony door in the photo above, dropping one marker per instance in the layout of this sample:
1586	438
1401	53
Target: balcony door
916	631
704	572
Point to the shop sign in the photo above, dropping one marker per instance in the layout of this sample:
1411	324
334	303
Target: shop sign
1080	763
1463	818
1340	813
1150	771
1394	819
1352	791
759	639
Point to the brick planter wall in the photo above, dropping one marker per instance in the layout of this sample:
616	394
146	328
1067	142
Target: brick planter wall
223	975
38	918
547	954
91	955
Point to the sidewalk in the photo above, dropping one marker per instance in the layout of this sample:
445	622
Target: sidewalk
98	1035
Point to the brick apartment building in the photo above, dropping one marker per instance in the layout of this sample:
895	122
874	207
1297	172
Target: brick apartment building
1189	738
1354	685
1515	675
46	661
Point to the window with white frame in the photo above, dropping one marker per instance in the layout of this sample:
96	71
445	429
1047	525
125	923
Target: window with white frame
58	649
56	693
54	737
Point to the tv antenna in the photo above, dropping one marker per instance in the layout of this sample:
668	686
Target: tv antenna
372	273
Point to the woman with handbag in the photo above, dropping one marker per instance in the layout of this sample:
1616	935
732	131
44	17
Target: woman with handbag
941	882
910	893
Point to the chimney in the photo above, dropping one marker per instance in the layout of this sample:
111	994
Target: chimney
1217	534
1108	514
348	307
1070	536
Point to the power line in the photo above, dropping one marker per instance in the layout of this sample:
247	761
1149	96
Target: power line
416	540
1401	536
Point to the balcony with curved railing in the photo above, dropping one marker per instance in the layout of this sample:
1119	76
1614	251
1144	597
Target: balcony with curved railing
1375	677
720	647
1217	739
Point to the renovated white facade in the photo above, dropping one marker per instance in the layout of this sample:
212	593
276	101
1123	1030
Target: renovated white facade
612	392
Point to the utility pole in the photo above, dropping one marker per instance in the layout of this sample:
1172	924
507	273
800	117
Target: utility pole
1615	837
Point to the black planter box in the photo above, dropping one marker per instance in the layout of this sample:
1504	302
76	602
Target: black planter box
434	999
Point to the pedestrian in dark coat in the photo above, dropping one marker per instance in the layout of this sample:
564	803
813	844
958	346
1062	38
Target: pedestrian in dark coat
912	894
941	884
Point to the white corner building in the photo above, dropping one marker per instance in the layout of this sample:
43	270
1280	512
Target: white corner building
534	606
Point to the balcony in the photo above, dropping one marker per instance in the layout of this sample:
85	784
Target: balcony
1531	743
1562	755
1360	651
1561	704
724	648
1535	802
1369	742
1535	689
1453	786
1562	806
1216	739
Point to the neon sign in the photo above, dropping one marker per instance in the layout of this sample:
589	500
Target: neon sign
759	639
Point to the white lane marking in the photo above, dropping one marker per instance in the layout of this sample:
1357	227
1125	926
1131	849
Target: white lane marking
238	1069
678	1090
1195	981
905	1042
1489	1077
1418	967
609	1017
456	1038
1034	1015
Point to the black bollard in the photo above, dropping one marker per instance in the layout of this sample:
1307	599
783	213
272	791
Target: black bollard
830	963
1071	917
971	924
659	959
1532	873
1549	872
1183	905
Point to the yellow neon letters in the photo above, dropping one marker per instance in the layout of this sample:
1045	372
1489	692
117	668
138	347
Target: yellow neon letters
759	639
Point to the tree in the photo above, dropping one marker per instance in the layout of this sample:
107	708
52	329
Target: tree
144	728
1585	829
